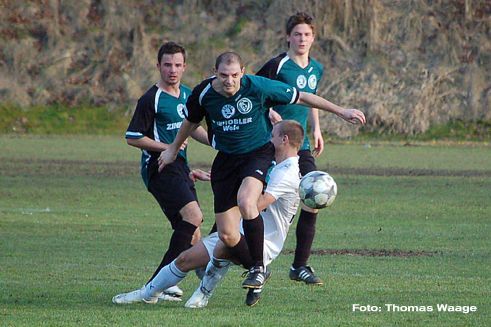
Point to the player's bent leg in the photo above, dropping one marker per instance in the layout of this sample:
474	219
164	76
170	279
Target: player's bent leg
194	257
196	236
163	285
168	276
247	197
215	271
253	226
191	213
228	226
305	233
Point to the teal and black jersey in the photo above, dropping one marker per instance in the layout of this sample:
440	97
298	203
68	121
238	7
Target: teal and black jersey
239	124
158	115
282	68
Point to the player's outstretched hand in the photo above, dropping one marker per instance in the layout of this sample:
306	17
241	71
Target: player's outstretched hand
165	158
274	117
199	175
353	116
318	143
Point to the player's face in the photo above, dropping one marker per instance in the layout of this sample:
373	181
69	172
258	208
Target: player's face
301	39
171	68
228	78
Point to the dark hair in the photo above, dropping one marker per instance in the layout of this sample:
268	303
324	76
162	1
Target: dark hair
299	18
293	130
228	58
170	48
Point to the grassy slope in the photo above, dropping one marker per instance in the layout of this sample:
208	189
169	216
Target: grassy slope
69	243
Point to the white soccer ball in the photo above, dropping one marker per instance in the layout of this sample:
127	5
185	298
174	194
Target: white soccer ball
317	190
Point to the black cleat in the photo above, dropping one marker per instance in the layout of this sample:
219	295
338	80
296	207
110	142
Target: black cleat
305	274
256	277
253	296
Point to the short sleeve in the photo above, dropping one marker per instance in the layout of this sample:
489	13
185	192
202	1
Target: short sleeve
141	123
276	92
195	111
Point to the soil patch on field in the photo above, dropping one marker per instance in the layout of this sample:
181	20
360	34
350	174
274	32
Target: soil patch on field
370	253
19	167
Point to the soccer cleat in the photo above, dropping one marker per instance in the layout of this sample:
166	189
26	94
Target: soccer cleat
135	296
174	291
256	277
197	300
305	274
170	298
253	296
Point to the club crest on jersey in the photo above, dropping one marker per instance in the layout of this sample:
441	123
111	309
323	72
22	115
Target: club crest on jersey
244	105
228	111
182	110
301	81
312	82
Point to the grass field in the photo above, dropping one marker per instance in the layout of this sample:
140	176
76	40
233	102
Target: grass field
410	226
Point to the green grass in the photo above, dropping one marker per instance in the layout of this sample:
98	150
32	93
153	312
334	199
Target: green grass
72	238
61	120
57	119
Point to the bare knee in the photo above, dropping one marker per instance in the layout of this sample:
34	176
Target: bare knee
248	207
229	239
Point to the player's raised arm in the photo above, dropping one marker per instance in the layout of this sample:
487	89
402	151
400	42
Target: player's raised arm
353	116
168	156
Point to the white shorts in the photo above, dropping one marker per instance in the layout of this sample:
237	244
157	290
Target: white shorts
270	252
209	242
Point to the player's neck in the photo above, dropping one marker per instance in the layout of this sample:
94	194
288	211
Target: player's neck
285	154
172	89
300	59
219	89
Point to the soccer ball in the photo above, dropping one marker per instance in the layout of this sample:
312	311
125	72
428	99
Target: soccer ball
317	190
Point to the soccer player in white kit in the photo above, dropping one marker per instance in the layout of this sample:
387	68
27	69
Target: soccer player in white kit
279	204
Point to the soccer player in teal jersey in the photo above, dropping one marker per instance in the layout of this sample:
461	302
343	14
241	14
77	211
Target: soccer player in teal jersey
236	108
157	118
295	67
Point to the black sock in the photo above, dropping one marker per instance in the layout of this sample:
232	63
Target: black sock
179	242
305	236
254	235
241	252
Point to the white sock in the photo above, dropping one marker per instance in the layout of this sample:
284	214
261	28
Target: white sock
215	271
168	276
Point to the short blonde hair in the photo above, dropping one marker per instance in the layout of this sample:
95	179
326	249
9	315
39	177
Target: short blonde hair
293	130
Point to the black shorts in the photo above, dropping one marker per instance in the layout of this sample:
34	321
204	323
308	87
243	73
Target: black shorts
306	162
228	171
172	188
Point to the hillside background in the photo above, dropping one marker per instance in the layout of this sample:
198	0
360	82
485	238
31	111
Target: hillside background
407	64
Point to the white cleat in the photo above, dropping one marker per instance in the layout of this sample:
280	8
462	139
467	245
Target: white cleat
197	300
171	298
135	296
174	291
